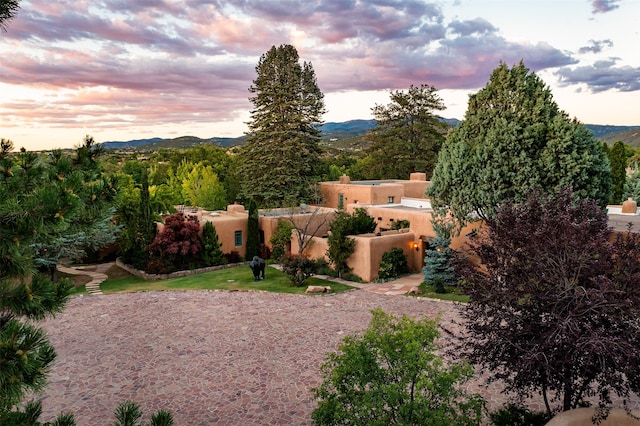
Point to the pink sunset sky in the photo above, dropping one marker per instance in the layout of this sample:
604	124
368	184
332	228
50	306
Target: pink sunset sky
133	69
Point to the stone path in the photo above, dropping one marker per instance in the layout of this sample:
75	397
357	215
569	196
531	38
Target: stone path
96	272
214	357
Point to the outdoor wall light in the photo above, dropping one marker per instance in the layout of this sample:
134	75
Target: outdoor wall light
416	246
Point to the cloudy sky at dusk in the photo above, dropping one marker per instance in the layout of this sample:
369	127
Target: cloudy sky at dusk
132	69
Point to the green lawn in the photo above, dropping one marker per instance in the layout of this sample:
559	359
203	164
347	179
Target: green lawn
238	278
452	293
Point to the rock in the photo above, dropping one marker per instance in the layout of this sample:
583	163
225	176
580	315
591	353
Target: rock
582	416
318	289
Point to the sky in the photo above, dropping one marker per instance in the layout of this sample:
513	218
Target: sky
133	69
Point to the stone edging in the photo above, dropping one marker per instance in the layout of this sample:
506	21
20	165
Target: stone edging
153	277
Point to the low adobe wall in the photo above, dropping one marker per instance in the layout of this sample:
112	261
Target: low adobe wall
154	277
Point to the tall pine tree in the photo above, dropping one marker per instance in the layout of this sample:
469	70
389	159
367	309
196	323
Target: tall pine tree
279	162
408	132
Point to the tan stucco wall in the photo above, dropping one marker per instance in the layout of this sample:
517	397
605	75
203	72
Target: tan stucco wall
316	220
368	252
373	193
235	218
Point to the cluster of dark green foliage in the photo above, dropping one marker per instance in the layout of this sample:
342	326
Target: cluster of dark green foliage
393	264
400	224
211	252
514	140
280	239
341	247
618	156
253	232
554	302
439	264
391	375
298	268
138	218
129	413
279	162
516	415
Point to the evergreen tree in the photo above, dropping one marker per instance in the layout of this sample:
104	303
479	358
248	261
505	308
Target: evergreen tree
211	252
27	209
89	224
439	269
279	162
618	158
253	231
341	247
513	140
137	214
408	132
8	10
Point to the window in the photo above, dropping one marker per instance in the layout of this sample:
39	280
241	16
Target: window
390	200
340	201
238	238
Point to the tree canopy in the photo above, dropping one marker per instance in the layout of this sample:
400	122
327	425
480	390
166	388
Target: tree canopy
554	303
50	204
407	131
281	158
514	139
392	375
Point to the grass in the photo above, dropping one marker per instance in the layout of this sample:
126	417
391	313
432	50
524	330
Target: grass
238	278
452	293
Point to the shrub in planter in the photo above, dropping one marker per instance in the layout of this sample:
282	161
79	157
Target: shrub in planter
393	264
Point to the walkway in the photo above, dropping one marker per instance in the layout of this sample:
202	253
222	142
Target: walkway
215	357
96	272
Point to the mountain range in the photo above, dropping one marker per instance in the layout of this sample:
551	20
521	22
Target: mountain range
348	134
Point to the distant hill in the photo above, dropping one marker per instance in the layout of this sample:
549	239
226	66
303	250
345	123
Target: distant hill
347	135
629	135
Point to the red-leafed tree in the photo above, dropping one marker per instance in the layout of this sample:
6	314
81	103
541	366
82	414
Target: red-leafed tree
179	241
555	302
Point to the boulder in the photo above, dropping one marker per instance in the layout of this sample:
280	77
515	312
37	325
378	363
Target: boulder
318	289
583	416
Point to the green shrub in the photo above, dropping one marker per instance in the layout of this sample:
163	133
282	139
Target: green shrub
281	237
348	276
400	224
515	415
393	264
392	375
323	268
298	268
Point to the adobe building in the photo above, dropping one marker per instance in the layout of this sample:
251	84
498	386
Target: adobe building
388	201
231	225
